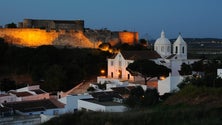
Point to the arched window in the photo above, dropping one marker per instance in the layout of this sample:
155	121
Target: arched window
168	49
162	48
176	50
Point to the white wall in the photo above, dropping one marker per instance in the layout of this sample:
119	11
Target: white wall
219	73
56	111
89	106
117	66
7	98
71	101
169	84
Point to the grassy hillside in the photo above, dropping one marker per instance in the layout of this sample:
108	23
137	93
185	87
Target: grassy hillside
190	106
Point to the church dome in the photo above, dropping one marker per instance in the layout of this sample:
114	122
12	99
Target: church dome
179	41
162	40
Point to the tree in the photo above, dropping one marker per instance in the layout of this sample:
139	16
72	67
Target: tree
185	69
151	97
138	97
135	97
147	69
54	77
11	25
7	84
143	42
198	66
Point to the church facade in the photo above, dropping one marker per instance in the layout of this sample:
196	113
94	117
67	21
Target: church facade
165	53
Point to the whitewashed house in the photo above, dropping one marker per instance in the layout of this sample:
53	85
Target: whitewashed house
71	101
4	98
50	107
93	105
29	93
106	101
117	65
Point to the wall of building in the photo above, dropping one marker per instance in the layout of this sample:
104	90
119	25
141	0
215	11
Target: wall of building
219	73
31	37
71	101
129	37
117	67
35	97
89	106
7	98
77	25
169	84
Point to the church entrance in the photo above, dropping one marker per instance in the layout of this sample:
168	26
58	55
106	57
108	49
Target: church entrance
120	74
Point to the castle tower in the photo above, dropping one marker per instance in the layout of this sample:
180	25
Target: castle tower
180	48
163	46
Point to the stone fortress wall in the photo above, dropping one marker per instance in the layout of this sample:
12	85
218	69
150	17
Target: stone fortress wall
71	33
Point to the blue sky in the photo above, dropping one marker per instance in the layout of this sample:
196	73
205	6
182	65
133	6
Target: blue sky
193	18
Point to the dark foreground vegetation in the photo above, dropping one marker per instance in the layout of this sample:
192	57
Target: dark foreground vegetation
53	68
191	106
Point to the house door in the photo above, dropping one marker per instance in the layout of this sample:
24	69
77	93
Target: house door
120	74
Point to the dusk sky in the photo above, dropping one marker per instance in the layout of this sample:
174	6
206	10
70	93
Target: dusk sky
193	18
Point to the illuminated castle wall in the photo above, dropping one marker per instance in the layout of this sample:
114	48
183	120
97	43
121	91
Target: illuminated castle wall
36	37
34	33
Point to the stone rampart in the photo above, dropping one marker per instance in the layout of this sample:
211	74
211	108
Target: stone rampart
31	37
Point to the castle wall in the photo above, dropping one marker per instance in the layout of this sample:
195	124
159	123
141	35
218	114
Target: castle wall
129	37
77	25
31	37
28	37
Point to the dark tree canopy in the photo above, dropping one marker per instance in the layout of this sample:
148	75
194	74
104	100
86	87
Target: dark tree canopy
138	97
186	69
147	69
11	25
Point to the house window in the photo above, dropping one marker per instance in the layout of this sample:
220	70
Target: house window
111	63
111	74
183	49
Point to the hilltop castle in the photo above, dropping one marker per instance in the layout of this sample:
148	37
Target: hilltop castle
72	33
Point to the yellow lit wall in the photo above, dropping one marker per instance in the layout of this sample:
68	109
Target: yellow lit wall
37	37
28	37
129	37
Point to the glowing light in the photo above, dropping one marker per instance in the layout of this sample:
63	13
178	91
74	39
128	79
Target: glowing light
162	78
102	71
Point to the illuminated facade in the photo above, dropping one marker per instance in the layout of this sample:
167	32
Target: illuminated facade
118	63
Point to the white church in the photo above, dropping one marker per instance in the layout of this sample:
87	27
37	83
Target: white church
165	53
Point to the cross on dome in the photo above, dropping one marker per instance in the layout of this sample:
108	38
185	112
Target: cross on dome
162	34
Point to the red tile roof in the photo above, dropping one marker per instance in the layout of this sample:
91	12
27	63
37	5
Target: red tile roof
21	94
36	105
